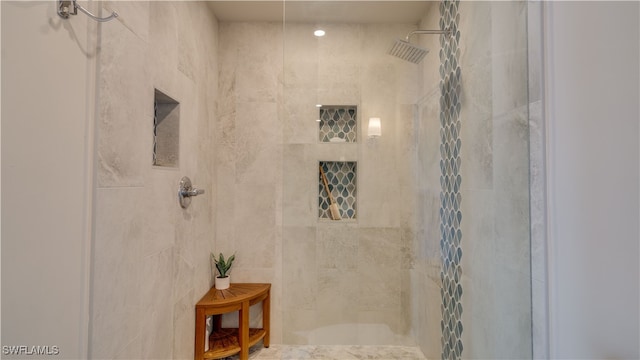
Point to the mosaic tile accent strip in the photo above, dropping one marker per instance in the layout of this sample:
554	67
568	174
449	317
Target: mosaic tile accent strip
341	176
338	123
155	131
450	182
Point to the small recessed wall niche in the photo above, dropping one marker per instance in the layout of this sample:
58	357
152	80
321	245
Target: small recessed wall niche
342	179
338	123
166	130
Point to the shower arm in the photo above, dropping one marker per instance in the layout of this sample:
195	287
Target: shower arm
428	32
64	11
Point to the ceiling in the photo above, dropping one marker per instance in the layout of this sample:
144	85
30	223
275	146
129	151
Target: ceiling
327	11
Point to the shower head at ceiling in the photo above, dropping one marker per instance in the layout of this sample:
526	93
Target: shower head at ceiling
409	52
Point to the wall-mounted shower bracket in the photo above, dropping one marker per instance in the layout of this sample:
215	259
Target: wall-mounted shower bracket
71	7
428	32
186	191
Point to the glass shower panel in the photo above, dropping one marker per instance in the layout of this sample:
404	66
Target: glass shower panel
453	150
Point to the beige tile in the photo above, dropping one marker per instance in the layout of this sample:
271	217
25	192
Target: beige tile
337	246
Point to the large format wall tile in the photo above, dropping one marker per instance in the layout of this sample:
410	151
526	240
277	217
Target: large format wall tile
151	257
125	122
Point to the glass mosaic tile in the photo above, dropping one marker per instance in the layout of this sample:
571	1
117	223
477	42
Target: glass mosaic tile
450	182
338	124
342	179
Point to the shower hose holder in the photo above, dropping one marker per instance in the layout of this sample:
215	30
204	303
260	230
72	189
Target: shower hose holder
71	7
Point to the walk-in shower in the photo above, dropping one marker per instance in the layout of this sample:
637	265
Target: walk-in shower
437	251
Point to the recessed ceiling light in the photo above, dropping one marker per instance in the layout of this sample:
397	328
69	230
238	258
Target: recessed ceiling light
319	33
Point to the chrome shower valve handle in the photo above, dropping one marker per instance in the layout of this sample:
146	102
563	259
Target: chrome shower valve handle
192	192
186	191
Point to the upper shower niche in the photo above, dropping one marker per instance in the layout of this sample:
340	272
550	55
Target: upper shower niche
166	130
338	123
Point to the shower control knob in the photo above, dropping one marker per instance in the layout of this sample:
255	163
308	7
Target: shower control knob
186	191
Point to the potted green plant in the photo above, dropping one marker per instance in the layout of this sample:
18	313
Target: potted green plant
223	280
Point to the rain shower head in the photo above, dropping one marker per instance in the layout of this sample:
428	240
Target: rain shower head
407	51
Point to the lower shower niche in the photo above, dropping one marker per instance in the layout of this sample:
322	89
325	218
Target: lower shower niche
341	177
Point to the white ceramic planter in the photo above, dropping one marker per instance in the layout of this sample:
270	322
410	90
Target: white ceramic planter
222	283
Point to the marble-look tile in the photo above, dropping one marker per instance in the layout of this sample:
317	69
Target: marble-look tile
299	125
477	135
299	323
508	26
255	229
125	124
337	246
132	14
163	40
300	74
146	245
430	75
133	350
258	148
379	84
257	48
378	287
334	74
183	325
379	247
333	352
428	139
159	226
337	297
343	43
476	19
190	61
300	45
183	273
382	328
299	268
300	194
116	271
509	81
511	151
157	297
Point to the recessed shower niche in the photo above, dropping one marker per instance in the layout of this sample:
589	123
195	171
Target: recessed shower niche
166	130
338	123
341	180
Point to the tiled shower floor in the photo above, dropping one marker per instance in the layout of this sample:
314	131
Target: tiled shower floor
333	352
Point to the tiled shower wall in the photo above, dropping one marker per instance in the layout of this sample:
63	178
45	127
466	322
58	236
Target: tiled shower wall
333	282
151	257
248	157
346	282
495	165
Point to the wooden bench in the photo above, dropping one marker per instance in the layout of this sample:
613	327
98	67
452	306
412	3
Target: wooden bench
225	342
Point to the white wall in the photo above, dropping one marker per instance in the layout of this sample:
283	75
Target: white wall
48	82
591	76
